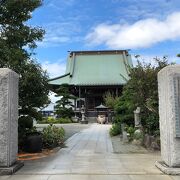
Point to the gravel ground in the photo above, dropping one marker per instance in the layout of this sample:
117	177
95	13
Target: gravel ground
126	148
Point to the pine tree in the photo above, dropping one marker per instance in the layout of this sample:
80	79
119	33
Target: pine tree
64	106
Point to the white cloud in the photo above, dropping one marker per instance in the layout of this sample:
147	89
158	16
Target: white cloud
60	33
60	3
51	41
54	69
143	33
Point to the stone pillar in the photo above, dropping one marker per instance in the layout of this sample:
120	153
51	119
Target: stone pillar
169	114
8	120
137	120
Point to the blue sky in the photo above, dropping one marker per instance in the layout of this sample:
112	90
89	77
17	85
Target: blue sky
149	28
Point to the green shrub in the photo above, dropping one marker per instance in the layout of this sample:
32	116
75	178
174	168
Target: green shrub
152	124
53	136
25	122
124	112
130	130
138	135
64	120
51	120
41	122
115	129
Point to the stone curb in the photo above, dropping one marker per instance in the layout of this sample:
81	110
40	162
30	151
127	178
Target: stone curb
12	169
166	169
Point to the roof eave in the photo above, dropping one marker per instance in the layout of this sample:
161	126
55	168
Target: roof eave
59	77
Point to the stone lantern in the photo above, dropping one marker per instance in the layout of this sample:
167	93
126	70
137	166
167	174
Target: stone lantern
83	118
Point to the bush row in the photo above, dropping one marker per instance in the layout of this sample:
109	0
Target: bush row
51	120
52	136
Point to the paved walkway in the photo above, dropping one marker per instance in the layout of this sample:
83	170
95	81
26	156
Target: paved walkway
70	128
89	155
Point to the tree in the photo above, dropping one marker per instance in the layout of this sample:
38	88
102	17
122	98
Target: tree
141	90
110	99
33	89
64	106
15	35
17	42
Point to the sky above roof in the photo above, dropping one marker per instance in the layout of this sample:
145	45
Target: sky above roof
149	28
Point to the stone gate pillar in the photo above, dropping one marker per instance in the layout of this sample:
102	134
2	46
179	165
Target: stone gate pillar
8	121
169	114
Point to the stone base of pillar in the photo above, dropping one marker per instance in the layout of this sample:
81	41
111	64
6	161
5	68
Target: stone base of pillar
12	169
166	169
84	122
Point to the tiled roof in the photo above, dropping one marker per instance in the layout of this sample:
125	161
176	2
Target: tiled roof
88	68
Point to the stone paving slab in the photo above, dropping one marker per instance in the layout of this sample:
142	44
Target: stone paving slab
89	155
89	177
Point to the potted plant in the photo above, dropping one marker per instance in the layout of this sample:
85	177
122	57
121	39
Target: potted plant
33	141
30	139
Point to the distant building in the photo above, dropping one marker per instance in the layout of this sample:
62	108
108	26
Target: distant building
48	111
90	74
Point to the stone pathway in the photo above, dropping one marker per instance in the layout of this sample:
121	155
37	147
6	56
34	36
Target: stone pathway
89	155
70	128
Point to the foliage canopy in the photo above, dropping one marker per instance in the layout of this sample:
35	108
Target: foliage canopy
110	99
141	91
17	42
